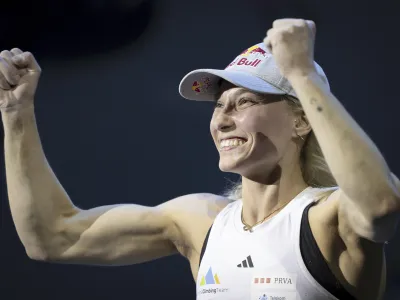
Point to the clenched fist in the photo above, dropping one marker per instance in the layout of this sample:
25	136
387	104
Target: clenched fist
19	76
291	42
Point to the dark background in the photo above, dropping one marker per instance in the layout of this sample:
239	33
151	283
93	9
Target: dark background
115	129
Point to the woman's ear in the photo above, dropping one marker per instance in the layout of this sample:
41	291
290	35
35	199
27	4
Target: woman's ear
301	126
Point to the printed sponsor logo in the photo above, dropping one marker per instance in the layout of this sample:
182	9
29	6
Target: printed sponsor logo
247	263
274	280
208	282
202	85
261	280
250	57
281	285
265	297
244	62
209	278
254	50
211	291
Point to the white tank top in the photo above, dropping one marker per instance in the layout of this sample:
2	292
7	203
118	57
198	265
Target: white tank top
262	265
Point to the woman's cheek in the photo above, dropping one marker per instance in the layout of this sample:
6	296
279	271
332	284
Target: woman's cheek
259	120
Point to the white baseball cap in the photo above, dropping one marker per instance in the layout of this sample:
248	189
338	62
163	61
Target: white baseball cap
254	69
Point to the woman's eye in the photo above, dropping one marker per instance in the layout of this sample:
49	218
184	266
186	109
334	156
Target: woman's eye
218	104
245	101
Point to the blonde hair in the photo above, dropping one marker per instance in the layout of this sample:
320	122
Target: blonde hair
314	168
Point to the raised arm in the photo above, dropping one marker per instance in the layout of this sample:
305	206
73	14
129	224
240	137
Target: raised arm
52	229
368	194
49	225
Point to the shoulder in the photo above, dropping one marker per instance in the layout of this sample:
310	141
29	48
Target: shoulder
190	217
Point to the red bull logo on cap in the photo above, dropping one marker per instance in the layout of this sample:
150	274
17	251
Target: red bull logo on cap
201	86
250	57
254	50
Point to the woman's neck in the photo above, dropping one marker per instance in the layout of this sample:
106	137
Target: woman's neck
261	200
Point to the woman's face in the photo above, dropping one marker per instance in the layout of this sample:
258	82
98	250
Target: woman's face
251	131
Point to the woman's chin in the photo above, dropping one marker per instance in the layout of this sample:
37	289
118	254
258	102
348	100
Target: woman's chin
230	166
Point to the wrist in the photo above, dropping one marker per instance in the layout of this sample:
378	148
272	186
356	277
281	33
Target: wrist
309	85
17	117
301	74
19	109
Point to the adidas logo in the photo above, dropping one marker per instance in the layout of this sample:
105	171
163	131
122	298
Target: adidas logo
247	263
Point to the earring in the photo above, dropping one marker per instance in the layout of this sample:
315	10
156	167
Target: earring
300	136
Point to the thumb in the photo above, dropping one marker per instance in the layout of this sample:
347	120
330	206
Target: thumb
26	60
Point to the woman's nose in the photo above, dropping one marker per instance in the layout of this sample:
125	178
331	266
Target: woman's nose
224	122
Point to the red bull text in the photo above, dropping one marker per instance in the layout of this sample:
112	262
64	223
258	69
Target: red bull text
245	61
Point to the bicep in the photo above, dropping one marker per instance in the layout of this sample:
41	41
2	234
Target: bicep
116	235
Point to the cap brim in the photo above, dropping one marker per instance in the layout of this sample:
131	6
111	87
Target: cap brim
204	84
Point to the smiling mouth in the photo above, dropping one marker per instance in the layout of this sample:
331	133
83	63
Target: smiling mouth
232	143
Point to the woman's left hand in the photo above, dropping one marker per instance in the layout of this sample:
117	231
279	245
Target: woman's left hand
291	42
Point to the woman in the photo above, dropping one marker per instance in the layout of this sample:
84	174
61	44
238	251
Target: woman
302	228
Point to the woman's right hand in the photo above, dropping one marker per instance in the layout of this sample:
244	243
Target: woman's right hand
19	77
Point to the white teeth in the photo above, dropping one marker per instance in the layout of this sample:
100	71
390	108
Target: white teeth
232	143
